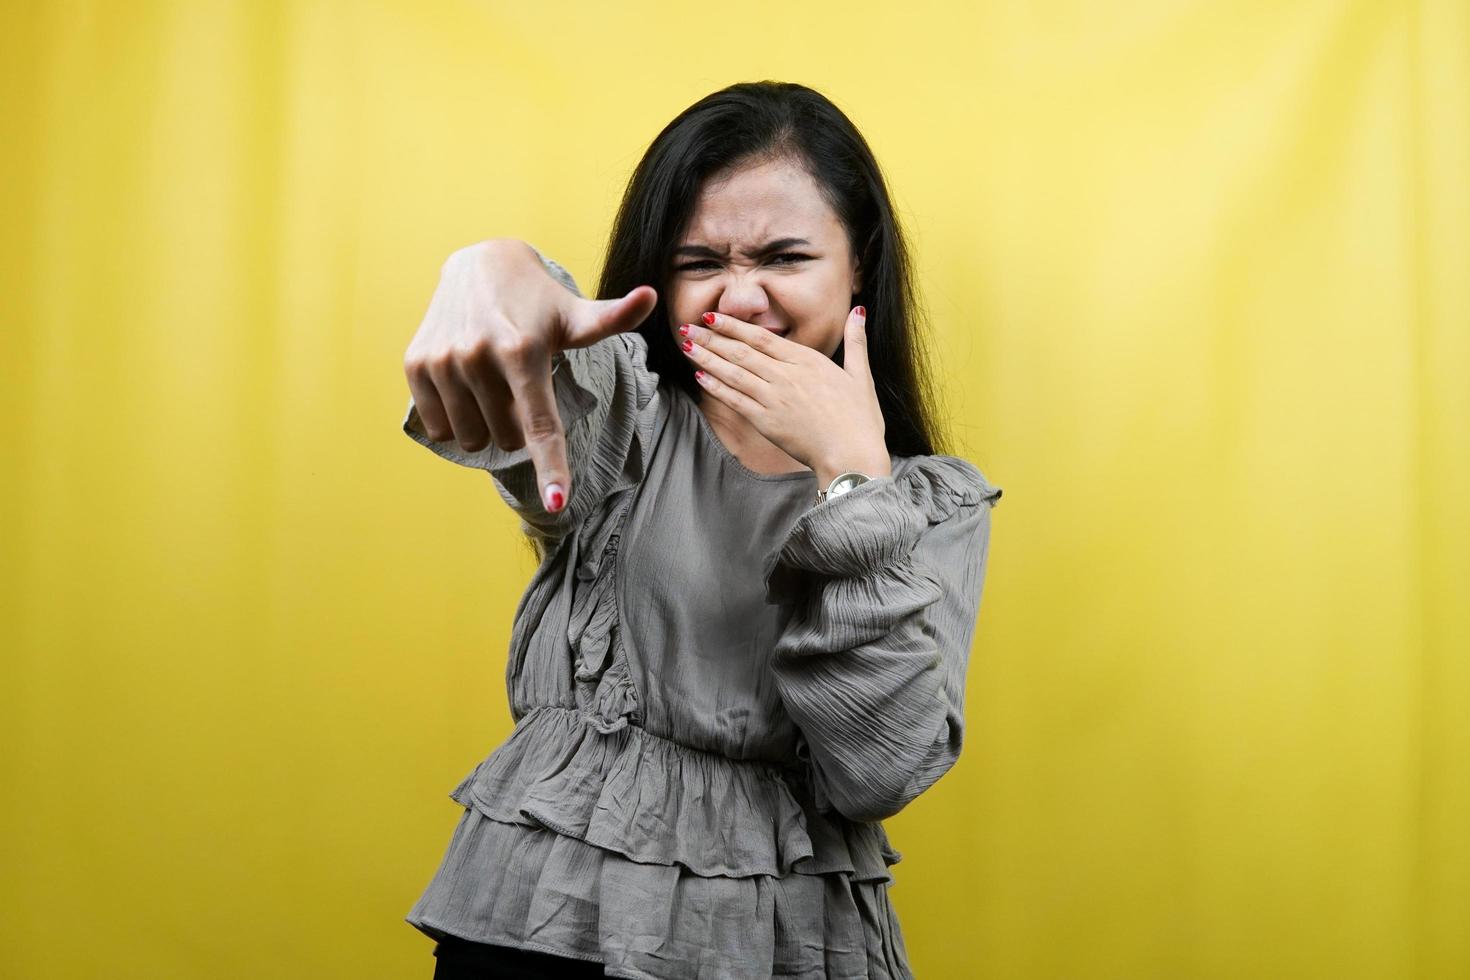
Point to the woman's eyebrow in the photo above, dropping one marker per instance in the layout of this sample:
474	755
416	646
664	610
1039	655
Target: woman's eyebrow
704	251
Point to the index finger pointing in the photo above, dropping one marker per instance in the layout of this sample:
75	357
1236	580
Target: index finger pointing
529	377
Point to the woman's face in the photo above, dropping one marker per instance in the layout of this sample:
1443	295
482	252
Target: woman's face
763	246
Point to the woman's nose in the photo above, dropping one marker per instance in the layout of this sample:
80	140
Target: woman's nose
744	299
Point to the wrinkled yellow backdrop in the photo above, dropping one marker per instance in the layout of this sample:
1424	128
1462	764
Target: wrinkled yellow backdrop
1198	273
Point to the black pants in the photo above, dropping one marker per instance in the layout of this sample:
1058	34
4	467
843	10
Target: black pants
460	959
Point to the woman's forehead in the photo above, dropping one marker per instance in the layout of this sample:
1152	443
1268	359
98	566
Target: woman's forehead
760	204
773	183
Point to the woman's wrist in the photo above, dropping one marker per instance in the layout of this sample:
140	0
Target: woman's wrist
869	464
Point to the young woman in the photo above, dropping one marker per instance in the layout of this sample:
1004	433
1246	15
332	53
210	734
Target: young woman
746	641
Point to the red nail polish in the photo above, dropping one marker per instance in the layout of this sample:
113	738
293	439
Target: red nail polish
709	319
862	312
554	495
683	330
688	346
699	375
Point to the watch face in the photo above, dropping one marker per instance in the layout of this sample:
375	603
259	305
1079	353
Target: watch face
843	483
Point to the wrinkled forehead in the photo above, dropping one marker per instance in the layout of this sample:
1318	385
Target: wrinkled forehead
759	204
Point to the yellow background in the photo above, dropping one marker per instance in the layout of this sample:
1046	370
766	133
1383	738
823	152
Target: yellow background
1200	278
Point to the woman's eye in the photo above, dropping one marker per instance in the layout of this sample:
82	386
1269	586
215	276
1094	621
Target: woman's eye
693	266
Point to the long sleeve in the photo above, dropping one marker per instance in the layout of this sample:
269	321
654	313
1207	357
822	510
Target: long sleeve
880	594
606	396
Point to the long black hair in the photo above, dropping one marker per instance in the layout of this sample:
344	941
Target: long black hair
752	122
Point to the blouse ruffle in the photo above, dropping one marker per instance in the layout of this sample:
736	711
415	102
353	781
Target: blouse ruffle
534	888
657	801
876	524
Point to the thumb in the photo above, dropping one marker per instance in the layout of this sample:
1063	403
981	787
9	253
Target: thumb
855	345
593	319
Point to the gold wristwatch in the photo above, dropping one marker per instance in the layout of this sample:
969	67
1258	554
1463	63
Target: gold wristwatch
842	483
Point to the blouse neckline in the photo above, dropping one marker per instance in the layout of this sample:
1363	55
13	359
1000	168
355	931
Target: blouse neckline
714	439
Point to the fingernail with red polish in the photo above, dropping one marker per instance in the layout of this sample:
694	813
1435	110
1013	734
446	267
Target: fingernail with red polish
709	319
555	497
683	330
688	346
862	312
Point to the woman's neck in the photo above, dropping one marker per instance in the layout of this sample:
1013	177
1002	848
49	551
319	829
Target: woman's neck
745	442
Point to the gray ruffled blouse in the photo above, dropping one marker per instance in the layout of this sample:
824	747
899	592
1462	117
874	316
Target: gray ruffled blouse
720	689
